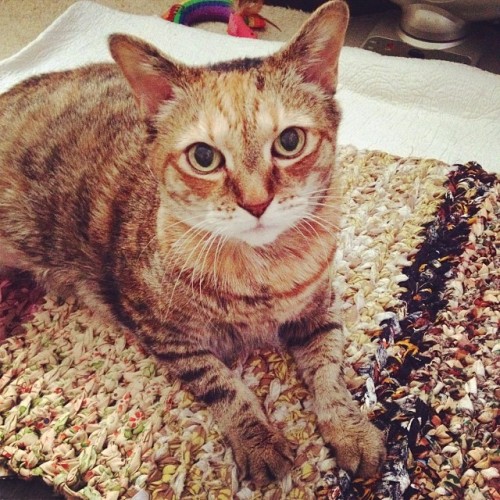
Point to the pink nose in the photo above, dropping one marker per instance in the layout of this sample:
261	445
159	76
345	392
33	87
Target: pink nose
258	209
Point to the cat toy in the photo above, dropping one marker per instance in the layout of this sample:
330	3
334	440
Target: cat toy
240	15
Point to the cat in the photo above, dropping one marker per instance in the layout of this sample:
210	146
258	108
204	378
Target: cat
197	207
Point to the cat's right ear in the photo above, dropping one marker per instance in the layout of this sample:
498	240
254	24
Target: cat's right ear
151	76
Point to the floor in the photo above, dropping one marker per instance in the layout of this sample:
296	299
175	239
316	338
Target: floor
359	30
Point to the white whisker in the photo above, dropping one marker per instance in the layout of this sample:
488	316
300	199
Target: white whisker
220	245
317	204
325	224
191	232
326	247
206	252
323	192
197	231
155	237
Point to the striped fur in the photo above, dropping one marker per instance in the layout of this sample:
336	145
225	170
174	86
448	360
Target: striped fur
98	198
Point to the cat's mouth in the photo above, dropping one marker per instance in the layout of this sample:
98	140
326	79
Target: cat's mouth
256	232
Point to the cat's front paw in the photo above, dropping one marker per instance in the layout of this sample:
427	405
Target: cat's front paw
359	446
261	453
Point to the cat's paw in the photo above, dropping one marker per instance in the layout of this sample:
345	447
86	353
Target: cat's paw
263	456
359	446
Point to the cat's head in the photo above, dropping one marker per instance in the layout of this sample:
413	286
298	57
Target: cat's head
243	149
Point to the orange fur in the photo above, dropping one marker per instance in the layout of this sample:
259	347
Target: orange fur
99	196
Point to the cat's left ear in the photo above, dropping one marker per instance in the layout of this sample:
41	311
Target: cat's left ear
151	75
315	50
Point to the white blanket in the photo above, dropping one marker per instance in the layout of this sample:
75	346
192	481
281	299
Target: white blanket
407	107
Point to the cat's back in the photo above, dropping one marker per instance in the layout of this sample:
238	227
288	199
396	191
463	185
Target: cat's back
49	93
61	133
67	141
61	111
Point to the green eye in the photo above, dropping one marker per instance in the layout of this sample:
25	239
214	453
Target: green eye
204	158
290	142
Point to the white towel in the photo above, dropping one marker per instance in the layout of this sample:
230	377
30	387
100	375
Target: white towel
407	107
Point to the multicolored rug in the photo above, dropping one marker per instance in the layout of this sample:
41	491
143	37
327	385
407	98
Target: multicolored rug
418	268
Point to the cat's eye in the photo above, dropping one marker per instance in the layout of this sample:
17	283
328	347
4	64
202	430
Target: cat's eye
204	158
290	142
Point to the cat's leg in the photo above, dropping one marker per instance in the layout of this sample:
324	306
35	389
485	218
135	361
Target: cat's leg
317	347
261	453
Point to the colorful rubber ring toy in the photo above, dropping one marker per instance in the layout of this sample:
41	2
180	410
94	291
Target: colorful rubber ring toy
240	16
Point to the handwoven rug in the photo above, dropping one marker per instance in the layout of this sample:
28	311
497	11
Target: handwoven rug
82	406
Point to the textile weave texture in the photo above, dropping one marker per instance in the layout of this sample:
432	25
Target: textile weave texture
82	406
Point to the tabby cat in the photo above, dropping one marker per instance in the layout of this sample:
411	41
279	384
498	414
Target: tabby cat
197	207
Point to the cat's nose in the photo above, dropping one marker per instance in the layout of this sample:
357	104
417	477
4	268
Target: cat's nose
256	209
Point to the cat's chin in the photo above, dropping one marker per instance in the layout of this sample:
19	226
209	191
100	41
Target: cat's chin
260	235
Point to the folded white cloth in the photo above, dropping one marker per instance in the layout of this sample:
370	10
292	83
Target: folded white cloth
406	107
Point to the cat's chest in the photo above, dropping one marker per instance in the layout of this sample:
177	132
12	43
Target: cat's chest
254	311
246	323
257	299
243	326
258	315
